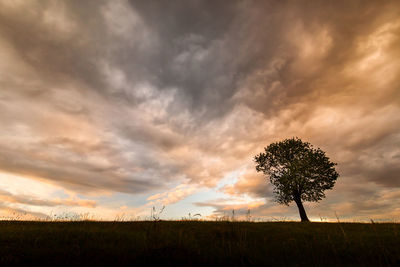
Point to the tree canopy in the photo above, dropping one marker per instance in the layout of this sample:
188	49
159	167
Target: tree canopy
298	171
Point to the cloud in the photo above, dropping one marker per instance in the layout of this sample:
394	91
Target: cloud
8	197
250	183
138	96
8	213
175	195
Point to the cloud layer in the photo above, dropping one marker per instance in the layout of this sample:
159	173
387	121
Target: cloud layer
159	99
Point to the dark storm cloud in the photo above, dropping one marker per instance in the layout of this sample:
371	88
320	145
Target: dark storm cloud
132	96
193	36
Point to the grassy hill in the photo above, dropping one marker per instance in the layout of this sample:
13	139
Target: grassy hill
168	243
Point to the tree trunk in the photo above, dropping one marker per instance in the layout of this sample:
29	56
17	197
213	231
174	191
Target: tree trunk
302	211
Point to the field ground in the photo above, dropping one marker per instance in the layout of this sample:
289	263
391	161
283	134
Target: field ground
170	243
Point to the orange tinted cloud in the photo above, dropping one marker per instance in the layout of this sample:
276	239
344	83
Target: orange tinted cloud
23	199
139	100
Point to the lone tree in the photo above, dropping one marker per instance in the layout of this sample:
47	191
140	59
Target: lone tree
298	171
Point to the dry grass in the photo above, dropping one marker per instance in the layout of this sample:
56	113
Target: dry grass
199	243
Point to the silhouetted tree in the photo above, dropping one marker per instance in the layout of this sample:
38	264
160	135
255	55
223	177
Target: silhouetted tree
298	172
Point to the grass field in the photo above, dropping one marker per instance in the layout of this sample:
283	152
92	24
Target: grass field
170	243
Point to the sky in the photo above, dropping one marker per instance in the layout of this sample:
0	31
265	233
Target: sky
111	108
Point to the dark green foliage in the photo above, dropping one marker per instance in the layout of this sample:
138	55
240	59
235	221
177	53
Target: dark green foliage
298	171
169	243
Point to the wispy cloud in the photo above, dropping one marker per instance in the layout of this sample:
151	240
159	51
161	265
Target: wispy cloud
8	197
